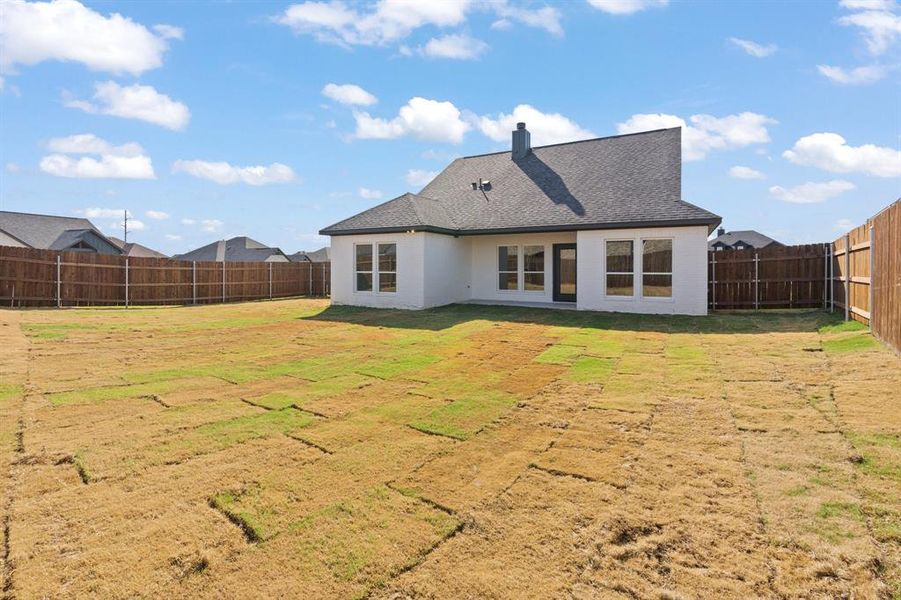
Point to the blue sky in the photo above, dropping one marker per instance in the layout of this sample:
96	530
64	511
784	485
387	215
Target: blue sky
208	120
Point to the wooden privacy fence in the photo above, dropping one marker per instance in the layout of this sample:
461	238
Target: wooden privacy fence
866	263
782	277
30	277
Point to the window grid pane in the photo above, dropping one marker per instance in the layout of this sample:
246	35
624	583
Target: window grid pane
620	268
533	268
508	280
508	267
387	258
657	268
363	267
619	285
387	282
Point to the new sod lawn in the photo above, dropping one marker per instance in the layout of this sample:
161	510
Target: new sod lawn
288	448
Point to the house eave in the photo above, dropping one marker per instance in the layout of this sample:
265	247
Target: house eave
711	224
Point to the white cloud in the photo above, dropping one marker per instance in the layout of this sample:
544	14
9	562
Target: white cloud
869	4
844	224
13	168
169	32
66	30
104	213
172	236
157	215
544	128
116	162
879	27
739	172
753	48
830	151
136	101
810	193
225	174
706	133
420	118
88	143
189	221
370	194
211	225
419	177
108	167
348	93
546	17
391	20
455	46
626	7
133	225
855	76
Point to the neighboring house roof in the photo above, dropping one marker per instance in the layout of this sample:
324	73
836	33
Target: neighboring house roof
237	249
316	256
135	249
629	180
51	232
746	237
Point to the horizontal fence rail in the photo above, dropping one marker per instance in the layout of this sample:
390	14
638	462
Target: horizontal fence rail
30	277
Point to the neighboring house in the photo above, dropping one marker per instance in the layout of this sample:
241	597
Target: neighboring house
135	249
237	249
322	255
48	232
597	225
741	240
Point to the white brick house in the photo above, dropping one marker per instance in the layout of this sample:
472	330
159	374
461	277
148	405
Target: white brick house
595	225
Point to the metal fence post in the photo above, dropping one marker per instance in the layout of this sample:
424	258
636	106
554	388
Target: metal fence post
756	281
713	283
223	281
59	298
847	276
194	281
310	288
270	281
126	282
825	275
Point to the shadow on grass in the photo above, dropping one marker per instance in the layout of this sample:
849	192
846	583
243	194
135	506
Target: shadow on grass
437	319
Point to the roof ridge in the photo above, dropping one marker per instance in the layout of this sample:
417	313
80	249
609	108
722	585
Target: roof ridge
31	214
594	139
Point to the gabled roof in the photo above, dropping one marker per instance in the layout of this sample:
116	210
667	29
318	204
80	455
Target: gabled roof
316	256
629	180
51	232
236	249
748	236
135	249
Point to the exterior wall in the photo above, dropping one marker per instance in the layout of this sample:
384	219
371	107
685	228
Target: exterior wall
689	271
410	259
447	269
484	265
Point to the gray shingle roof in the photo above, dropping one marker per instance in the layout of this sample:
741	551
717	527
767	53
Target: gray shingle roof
620	181
236	249
135	249
749	237
51	232
316	256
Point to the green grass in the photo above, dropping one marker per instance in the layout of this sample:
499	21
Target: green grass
116	392
831	510
588	369
227	502
10	391
399	364
850	343
560	354
463	418
842	327
219	435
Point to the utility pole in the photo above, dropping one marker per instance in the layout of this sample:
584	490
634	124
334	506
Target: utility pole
125	227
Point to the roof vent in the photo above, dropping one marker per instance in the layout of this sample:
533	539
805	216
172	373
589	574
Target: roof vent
522	143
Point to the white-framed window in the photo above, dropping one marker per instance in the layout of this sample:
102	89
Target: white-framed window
363	267
533	268
508	268
620	262
387	267
657	268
